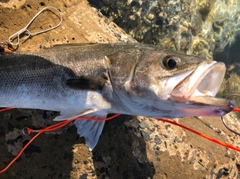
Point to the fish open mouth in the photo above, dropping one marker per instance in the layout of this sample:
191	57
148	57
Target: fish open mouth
201	85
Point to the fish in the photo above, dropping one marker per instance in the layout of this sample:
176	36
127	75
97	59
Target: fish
95	80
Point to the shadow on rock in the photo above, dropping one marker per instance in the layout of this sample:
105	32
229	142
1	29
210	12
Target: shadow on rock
49	156
4	1
230	56
121	153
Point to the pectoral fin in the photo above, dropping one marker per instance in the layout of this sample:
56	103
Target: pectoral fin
86	83
90	130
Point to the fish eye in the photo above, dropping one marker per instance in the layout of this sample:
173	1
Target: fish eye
170	62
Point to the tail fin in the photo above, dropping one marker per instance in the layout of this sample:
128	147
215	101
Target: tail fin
90	130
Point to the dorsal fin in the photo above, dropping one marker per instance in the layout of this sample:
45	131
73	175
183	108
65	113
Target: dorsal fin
86	83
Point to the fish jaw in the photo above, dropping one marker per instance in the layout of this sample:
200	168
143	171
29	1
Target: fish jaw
194	93
202	82
198	109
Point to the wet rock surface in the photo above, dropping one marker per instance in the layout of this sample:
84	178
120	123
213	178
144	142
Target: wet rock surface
193	27
129	147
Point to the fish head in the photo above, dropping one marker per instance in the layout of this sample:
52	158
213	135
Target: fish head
165	84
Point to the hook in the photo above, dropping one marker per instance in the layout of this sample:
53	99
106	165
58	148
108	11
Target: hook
223	121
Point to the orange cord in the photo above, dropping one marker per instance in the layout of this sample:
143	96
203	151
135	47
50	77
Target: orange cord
7	50
5	109
200	134
51	128
64	123
236	110
20	153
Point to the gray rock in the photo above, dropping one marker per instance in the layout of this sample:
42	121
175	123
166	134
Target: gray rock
176	139
146	135
84	176
157	139
143	125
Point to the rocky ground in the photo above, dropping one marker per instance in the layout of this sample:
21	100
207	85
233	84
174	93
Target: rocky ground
138	148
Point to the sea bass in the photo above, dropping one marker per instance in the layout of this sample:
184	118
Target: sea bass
94	80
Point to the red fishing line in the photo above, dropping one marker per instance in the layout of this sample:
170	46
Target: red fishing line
48	129
236	110
5	109
202	135
64	123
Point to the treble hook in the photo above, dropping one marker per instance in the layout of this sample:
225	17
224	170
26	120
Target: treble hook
223	121
26	32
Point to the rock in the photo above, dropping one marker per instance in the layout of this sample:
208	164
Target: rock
176	139
157	139
84	176
143	125
192	27
146	135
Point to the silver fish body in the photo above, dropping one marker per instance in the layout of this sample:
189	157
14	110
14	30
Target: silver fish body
98	79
